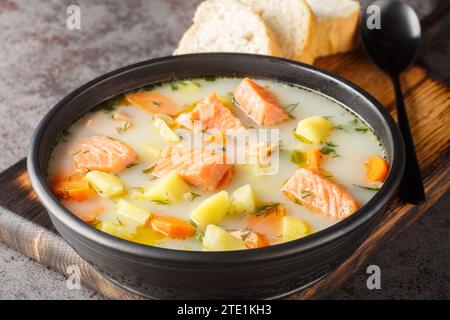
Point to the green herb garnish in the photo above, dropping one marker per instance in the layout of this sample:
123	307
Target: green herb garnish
354	124
367	188
306	194
265	209
199	235
246	232
302	138
298	157
148	170
210	78
161	202
194	196
234	101
131	165
124	128
329	149
290	108
65	134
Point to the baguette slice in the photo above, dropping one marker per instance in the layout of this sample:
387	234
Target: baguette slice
337	25
293	23
228	26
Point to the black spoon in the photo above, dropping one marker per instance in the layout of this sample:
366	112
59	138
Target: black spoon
390	33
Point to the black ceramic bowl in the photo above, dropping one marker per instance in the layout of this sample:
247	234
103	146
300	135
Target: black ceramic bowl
260	273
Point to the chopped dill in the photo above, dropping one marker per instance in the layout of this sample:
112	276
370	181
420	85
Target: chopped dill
306	194
367	188
124	128
194	196
65	134
290	108
210	78
354	124
161	202
156	103
329	149
246	232
265	209
361	130
234	101
199	235
148	170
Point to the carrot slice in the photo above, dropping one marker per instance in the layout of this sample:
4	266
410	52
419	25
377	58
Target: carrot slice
153	102
377	169
172	227
314	158
73	187
251	238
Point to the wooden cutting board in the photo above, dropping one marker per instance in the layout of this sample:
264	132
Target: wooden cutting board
25	226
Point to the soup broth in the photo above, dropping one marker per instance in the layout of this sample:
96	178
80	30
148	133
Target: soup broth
121	193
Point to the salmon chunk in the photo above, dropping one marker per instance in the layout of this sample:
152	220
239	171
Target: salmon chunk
212	114
104	154
87	210
259	103
153	102
311	189
199	167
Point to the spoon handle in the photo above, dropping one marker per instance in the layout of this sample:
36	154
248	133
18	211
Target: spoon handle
412	186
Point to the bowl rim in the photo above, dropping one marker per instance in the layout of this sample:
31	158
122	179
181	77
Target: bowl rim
271	253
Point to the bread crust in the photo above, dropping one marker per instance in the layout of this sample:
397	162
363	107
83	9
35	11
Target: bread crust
190	36
337	34
307	52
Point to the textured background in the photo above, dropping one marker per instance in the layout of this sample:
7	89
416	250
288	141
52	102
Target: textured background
41	61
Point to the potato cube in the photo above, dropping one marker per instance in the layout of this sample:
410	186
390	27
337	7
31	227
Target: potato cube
130	215
148	152
243	200
164	130
106	184
294	228
211	210
314	129
217	239
168	189
115	229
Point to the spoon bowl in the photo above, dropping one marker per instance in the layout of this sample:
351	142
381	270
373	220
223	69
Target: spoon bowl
392	44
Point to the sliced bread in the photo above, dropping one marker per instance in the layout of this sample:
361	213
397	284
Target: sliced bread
293	23
228	26
337	25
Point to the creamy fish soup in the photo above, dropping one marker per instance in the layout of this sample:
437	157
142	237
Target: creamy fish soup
216	164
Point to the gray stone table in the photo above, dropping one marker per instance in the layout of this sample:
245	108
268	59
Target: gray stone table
41	60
